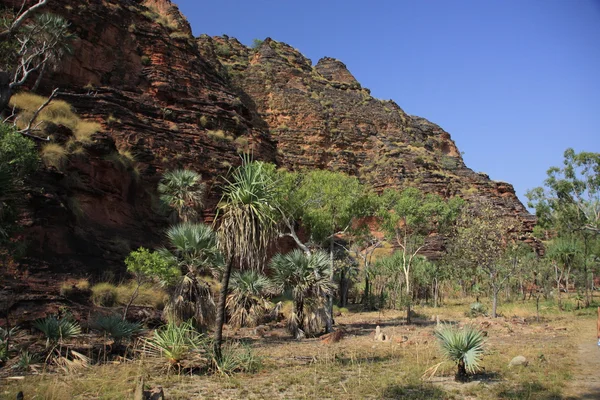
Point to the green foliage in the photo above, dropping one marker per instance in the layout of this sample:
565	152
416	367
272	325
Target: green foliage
570	200
307	277
463	346
56	329
247	302
146	264
183	191
115	327
176	343
18	158
194	249
256	43
247	214
237	357
476	310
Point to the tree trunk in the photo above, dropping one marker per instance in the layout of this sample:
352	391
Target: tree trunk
408	318
329	310
495	292
435	292
5	91
299	311
221	310
365	299
461	373
342	288
132	299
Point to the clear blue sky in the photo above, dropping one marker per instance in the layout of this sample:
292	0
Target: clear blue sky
515	82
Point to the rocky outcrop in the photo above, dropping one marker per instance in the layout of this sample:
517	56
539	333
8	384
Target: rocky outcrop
176	101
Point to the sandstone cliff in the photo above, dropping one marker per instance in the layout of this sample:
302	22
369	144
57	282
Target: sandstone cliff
178	101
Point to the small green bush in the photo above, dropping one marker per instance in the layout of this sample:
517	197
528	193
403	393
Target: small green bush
146	61
477	309
115	327
104	294
57	329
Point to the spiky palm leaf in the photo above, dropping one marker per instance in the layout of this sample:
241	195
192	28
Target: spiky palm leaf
247	214
115	327
175	343
308	278
463	346
57	329
183	191
194	248
247	303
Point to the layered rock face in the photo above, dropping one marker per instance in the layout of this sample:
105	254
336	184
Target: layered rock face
175	101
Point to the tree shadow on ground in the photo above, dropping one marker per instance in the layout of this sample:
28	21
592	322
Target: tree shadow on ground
533	390
414	392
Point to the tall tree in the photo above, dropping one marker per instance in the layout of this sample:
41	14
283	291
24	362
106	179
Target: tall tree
569	205
247	218
483	242
326	203
409	217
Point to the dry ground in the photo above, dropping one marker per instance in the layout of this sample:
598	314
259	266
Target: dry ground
561	349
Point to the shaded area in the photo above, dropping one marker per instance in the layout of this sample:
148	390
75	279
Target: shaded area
414	392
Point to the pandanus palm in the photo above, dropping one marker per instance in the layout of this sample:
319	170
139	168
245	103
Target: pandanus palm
247	219
183	191
462	346
193	247
307	276
247	303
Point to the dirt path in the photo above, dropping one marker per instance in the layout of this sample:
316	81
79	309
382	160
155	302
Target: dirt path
586	374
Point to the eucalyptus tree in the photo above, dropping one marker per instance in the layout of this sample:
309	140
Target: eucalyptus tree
484	242
183	191
409	217
246	223
326	203
193	248
308	278
569	205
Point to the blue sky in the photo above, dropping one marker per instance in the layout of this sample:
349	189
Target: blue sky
515	82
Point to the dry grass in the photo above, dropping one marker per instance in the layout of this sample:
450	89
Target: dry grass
108	295
85	129
358	367
58	112
54	155
219	135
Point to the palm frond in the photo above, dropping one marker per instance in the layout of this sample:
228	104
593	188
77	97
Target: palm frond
462	345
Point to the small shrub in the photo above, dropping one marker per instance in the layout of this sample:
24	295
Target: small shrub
26	361
57	329
203	121
146	61
237	357
461	346
256	43
241	142
176	343
477	309
179	35
219	135
54	155
104	294
149	295
85	130
115	327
